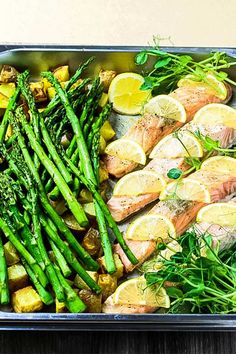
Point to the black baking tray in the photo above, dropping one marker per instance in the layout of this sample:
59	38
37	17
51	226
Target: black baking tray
43	57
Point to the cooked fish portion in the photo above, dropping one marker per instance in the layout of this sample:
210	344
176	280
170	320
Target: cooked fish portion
151	128
122	207
110	307
181	213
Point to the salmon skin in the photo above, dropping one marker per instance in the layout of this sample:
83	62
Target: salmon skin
123	206
181	213
151	128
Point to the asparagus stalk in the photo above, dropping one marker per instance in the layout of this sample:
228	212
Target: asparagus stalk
4	294
72	302
73	204
53	152
51	231
86	165
52	276
73	80
5	119
84	256
60	260
14	239
110	221
45	296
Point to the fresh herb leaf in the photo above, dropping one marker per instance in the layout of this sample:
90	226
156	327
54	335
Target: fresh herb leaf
174	173
141	58
161	63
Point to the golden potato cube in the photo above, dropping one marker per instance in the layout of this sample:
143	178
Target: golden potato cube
119	265
60	307
102	144
8	74
106	77
17	277
85	196
62	73
103	173
7	89
92	242
103	100
89	209
38	91
108	284
78	281
52	92
92	301
107	131
11	254
26	300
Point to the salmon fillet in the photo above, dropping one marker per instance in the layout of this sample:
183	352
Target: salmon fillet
123	206
110	307
222	236
218	185
180	212
151	128
141	249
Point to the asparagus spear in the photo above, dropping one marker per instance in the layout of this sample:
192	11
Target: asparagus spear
84	256
51	231
45	296
60	260
73	302
4	289
86	165
5	119
14	239
56	100
73	204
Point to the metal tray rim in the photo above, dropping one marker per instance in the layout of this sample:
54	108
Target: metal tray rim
116	322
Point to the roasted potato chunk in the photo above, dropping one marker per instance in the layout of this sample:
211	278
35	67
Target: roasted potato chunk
108	284
60	307
92	242
119	265
103	173
106	77
107	131
38	91
26	300
85	196
6	91
89	209
71	222
17	277
92	301
62	73
79	283
8	74
11	254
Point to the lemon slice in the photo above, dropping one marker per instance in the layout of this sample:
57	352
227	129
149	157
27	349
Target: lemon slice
186	189
125	94
140	182
136	292
211	84
151	227
170	147
127	149
216	113
167	107
223	214
222	164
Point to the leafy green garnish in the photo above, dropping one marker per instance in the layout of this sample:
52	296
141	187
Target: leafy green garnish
169	68
174	173
204	280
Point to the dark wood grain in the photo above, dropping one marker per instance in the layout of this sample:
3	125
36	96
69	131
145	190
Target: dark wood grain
117	343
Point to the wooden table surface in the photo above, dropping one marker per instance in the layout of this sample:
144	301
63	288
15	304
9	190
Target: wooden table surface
117	343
